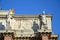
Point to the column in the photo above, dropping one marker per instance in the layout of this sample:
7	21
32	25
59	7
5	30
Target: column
45	37
8	37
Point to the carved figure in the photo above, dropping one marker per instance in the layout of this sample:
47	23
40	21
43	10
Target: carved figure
8	20
43	21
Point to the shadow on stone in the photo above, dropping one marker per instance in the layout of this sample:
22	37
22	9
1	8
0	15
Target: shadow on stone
35	26
2	27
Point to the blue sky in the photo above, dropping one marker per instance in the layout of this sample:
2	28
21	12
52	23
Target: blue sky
36	7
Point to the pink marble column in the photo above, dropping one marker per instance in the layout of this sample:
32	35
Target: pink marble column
45	37
6	37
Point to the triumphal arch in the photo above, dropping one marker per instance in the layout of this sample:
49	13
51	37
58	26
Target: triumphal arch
26	27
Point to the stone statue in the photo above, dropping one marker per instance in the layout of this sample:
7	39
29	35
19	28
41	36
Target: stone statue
43	21
8	20
43	18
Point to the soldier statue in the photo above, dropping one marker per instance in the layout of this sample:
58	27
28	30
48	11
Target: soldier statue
43	21
8	20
